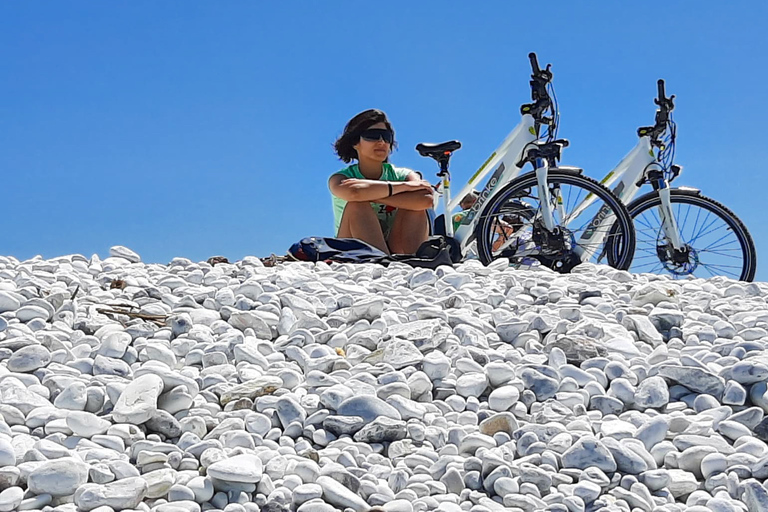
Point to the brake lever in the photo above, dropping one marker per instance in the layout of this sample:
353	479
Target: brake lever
666	103
545	74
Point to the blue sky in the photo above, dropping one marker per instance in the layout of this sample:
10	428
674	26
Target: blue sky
205	128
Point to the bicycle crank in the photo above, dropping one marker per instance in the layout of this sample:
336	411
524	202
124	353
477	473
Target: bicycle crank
551	242
556	248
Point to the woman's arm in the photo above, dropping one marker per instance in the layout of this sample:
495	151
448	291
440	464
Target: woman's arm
409	201
419	199
415	192
358	190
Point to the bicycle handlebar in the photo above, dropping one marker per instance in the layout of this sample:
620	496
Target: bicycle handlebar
539	80
666	105
542	102
663	117
534	63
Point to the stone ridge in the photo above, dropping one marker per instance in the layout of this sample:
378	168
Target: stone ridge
193	387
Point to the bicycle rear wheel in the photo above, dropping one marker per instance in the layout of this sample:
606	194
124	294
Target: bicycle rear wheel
587	213
716	241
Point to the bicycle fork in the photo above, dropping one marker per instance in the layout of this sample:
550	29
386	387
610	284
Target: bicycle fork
546	213
655	176
545	198
668	221
552	203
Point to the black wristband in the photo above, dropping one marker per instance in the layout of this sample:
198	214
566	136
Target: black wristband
390	189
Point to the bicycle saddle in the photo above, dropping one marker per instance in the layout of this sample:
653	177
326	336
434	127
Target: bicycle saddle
438	150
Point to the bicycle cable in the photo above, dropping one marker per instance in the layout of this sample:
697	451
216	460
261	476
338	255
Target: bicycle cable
667	152
554	126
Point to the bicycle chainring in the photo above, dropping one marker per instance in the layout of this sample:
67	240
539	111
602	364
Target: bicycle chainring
556	248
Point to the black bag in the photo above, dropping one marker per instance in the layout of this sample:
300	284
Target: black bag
316	248
435	251
432	253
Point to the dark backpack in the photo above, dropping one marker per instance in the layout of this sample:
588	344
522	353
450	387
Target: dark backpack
435	251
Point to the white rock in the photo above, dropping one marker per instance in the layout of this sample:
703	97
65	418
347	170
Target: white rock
436	365
32	312
29	359
119	251
138	401
8	302
503	398
681	483
159	482
74	397
644	329
86	424
243	468
7	454
202	488
713	463
10	499
652	393
472	384
587	491
119	495
60	477
305	492
587	452
336	494
114	344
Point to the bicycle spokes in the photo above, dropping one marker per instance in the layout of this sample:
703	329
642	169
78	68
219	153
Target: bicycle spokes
715	242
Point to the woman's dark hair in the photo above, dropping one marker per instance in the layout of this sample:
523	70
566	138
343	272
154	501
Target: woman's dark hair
344	145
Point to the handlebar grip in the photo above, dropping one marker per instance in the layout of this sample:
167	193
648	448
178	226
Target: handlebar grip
534	63
662	93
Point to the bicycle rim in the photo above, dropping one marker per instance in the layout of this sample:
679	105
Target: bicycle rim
717	242
510	226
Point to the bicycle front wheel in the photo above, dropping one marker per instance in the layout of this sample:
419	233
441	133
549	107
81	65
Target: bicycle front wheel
587	216
716	242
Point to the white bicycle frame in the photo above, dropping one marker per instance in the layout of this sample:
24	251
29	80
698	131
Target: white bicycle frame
626	175
503	163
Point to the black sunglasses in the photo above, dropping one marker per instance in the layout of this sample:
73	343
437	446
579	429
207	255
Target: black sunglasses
376	134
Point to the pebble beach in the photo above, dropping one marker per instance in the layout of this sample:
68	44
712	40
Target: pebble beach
315	387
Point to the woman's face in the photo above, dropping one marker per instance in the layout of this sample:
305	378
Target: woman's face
377	150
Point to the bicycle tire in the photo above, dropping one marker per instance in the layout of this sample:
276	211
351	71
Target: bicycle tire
705	238
508	202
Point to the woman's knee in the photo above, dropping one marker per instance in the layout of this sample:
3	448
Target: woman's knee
412	219
358	216
358	206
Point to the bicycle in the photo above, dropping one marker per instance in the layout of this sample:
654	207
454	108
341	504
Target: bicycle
677	228
532	217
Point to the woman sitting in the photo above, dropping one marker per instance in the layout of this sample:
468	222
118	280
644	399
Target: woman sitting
374	201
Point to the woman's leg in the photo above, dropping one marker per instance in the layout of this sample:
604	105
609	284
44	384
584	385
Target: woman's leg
360	221
409	229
